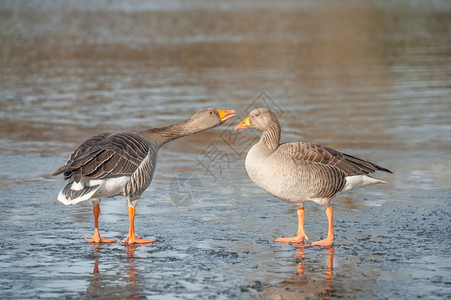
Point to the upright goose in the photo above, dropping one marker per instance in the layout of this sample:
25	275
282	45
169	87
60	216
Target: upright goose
110	164
299	172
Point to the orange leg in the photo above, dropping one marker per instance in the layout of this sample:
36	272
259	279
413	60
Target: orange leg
329	240
131	238
300	235
97	238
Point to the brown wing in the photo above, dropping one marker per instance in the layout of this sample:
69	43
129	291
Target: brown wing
107	155
348	164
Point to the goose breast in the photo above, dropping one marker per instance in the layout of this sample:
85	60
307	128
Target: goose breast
291	179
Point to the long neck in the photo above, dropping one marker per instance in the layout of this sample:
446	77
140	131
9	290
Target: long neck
163	135
271	136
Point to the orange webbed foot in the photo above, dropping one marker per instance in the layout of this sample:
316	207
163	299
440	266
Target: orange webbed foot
324	243
131	237
329	240
136	240
300	234
293	240
99	239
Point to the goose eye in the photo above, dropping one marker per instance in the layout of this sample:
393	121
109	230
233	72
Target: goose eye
256	115
211	112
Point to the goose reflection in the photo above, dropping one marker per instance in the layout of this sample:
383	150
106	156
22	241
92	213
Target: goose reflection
105	284
132	271
301	255
96	255
311	279
323	287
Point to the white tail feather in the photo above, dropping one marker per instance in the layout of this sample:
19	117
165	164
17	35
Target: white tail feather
74	192
63	198
357	181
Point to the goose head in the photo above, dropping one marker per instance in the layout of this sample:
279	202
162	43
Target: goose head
260	119
210	117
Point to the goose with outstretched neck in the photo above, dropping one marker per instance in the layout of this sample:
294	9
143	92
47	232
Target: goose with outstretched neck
299	172
110	164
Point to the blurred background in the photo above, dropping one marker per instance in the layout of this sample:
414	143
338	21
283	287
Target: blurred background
370	78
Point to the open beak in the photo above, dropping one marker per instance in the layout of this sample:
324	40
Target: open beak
224	115
244	124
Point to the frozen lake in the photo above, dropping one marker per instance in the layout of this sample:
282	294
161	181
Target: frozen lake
369	79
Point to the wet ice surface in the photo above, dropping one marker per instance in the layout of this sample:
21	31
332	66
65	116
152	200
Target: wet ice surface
225	250
68	72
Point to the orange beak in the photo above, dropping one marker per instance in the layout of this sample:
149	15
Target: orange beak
224	115
244	124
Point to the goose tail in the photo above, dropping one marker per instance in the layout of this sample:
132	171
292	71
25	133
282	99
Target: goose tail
74	193
357	181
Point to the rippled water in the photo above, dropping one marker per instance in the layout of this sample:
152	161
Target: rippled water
369	78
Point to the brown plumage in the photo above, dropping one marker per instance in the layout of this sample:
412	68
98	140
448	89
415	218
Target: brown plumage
110	164
350	165
300	172
111	155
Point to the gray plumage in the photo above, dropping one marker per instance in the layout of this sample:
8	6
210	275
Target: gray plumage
298	172
110	164
129	158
